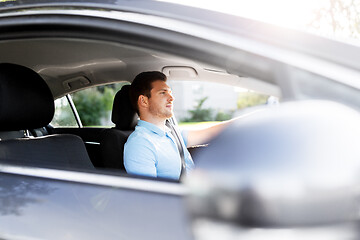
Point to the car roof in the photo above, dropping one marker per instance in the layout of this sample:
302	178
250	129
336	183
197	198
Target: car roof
259	49
98	62
253	29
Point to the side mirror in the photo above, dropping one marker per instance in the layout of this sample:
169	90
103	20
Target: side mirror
288	166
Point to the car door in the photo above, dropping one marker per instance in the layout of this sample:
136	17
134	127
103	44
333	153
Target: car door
58	204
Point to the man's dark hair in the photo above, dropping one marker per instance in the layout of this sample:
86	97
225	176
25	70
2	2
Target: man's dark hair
142	85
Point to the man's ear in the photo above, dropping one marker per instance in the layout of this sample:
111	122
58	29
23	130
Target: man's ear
143	101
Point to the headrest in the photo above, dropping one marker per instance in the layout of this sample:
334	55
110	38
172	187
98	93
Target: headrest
123	114
26	101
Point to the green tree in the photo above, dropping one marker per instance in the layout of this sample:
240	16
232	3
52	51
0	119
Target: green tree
94	104
90	105
63	114
108	98
223	116
64	117
249	99
199	113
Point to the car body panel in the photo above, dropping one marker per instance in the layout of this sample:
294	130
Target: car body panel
57	209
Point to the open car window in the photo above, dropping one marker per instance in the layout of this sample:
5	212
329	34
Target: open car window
64	116
93	105
201	103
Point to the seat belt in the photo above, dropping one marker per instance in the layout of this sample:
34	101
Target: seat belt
176	135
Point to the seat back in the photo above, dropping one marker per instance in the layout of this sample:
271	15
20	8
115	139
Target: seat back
112	140
27	103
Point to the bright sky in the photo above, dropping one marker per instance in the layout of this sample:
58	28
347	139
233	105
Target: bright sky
287	13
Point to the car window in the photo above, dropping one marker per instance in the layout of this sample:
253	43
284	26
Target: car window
94	105
201	103
64	116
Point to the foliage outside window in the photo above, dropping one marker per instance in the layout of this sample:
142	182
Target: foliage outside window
250	99
63	117
94	105
245	99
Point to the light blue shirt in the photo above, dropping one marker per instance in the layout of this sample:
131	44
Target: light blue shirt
149	151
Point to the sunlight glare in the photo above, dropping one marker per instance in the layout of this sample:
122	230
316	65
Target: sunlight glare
291	14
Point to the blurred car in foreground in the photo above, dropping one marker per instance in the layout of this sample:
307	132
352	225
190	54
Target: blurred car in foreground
289	170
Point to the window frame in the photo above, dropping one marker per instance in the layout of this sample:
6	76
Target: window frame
74	110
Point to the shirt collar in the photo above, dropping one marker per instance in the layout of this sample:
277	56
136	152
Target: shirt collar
151	127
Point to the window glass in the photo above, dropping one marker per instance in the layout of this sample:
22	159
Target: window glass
209	102
63	117
94	105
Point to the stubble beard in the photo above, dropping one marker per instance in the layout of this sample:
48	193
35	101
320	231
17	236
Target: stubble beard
162	113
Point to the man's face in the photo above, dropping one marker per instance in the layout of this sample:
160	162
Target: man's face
161	100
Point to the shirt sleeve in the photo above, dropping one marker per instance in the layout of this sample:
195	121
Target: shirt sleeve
140	159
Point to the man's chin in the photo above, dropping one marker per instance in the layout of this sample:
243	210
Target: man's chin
169	115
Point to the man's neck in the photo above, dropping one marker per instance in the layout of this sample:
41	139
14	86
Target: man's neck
160	123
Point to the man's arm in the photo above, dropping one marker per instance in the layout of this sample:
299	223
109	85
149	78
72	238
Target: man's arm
139	159
202	136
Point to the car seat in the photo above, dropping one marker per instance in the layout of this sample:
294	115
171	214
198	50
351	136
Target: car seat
112	140
26	102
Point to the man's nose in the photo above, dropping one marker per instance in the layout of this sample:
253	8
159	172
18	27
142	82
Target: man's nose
171	97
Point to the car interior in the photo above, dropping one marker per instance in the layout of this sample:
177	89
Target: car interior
36	71
31	106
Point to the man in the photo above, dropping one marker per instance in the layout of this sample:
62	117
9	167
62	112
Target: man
151	150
